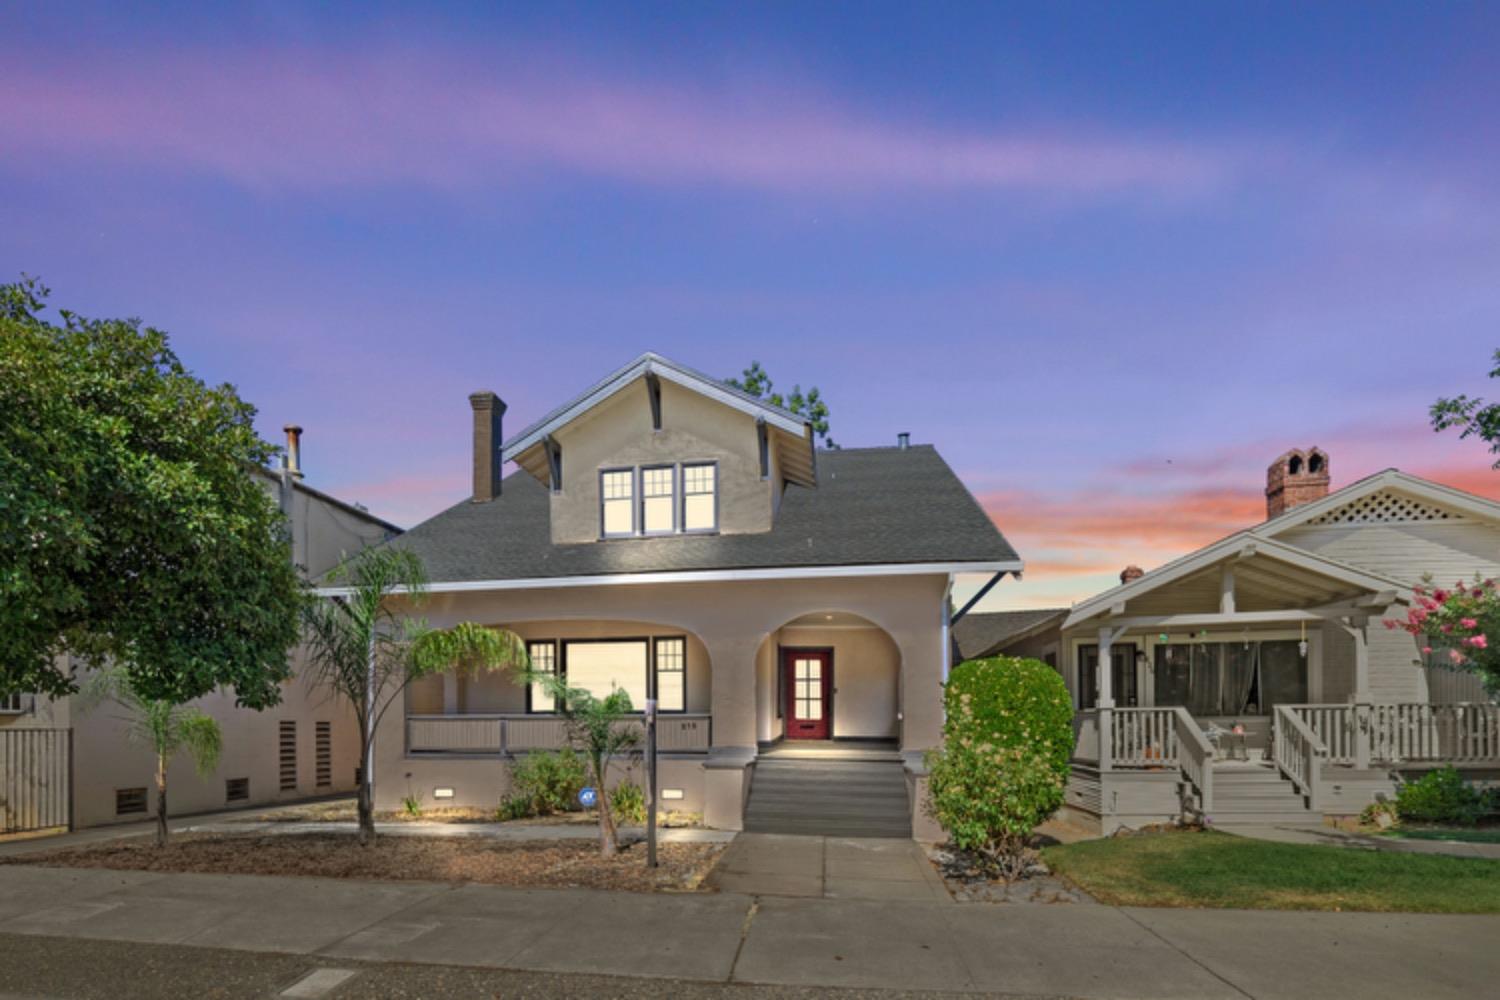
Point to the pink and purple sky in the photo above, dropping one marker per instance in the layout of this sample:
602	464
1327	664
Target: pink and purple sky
1111	258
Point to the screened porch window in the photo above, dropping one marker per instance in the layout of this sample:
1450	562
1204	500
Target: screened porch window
601	668
543	660
1230	677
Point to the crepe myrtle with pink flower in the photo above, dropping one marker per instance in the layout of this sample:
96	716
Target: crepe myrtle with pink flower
1460	624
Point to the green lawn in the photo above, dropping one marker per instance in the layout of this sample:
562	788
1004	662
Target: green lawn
1220	870
1474	835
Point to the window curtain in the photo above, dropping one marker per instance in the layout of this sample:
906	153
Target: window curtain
1230	678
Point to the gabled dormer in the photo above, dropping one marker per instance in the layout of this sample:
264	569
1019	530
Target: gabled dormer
654	450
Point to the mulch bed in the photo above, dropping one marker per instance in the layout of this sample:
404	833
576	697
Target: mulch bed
969	880
529	864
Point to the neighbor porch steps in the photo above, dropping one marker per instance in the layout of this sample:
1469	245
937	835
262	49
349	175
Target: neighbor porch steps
1256	796
823	796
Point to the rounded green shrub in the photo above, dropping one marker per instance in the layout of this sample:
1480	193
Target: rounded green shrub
544	782
628	802
1003	765
1015	703
1442	796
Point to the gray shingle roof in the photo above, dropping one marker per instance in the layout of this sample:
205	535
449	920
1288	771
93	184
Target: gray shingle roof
978	633
872	506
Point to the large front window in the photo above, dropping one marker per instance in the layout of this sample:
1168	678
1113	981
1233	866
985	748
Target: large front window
659	500
1230	678
601	668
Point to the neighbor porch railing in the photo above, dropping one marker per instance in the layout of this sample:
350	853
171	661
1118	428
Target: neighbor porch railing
1133	738
506	733
1299	753
1405	732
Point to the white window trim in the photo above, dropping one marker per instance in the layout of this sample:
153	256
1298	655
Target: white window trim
634	501
675	474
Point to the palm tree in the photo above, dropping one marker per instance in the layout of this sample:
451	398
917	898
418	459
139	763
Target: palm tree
160	726
594	730
365	650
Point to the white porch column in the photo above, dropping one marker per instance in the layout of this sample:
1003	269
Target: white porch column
1358	631
450	693
1104	671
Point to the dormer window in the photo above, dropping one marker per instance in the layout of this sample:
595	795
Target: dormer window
617	498
700	497
659	500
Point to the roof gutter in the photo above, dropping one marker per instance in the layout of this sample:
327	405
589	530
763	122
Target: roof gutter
980	595
705	576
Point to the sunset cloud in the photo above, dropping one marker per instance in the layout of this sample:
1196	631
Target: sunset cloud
289	119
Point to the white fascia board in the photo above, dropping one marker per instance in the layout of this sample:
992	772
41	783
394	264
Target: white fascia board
705	576
626	377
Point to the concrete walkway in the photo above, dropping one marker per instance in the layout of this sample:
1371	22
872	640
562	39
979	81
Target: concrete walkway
1083	951
770	864
1295	833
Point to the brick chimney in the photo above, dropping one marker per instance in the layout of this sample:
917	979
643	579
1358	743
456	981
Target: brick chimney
292	460
1296	478
1131	572
488	411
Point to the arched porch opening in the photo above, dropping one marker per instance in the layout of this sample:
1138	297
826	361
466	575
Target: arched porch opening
828	676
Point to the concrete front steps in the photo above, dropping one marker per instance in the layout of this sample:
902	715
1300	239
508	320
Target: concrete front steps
828	797
1256	796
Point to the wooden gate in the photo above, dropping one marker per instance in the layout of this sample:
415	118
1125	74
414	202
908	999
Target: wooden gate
35	779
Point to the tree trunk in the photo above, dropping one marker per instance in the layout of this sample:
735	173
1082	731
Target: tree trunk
367	755
161	800
366	801
608	844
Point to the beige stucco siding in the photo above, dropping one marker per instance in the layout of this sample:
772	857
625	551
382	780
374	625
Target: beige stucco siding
618	434
732	623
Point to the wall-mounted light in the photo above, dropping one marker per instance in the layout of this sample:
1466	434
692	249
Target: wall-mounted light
671	793
442	793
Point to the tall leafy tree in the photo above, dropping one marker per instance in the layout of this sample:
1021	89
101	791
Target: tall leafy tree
1472	416
131	531
810	405
160	726
366	647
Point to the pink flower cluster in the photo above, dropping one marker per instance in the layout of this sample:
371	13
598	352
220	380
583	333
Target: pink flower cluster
1459	616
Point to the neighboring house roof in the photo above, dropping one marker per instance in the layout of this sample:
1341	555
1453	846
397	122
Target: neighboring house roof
351	508
794	432
1390	480
1263	540
984	633
872	507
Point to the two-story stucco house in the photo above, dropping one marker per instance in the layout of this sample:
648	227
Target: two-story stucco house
62	766
1255	679
670	535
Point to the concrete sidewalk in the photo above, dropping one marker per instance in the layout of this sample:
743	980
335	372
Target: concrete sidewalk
771	864
1085	951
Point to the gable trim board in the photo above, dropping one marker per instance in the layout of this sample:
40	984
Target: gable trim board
793	429
1391	480
703	576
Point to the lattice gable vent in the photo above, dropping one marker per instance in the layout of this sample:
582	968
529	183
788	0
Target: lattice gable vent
1385	507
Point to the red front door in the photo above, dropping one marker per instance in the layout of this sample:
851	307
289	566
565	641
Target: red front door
809	680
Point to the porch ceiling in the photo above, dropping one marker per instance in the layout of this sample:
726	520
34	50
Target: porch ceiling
1261	583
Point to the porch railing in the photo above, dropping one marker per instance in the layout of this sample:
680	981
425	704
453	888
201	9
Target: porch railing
1143	737
1299	753
1195	757
505	733
1405	732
